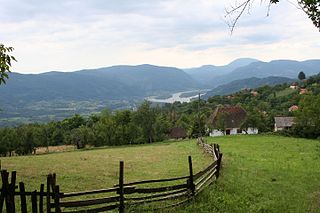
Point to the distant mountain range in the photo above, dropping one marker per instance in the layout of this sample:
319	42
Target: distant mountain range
207	73
113	83
85	91
259	69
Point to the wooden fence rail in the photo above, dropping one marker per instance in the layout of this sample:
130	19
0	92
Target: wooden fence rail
169	192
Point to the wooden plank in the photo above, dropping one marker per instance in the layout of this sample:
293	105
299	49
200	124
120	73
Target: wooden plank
155	196
204	177
41	198
75	194
100	209
199	174
161	189
121	190
38	193
171	197
23	199
153	181
34	203
89	202
208	178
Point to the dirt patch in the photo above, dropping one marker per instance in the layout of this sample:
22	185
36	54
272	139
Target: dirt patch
51	149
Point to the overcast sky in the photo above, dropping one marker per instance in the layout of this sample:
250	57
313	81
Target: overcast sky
67	35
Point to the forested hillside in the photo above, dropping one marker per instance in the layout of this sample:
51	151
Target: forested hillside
151	124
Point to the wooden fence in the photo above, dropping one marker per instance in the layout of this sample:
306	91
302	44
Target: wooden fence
168	192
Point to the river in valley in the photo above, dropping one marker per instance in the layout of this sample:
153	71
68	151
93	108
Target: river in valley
179	97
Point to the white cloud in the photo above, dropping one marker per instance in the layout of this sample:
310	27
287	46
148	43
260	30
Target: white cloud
71	35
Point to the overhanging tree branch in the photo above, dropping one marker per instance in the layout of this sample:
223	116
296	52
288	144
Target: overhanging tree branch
310	7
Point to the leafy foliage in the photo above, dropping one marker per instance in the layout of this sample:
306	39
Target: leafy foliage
5	62
301	76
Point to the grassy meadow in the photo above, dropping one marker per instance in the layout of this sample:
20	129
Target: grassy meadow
99	168
264	174
261	173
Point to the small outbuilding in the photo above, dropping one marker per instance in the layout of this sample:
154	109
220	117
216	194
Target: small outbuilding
281	123
178	133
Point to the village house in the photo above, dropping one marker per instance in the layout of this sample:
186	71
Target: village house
232	117
303	91
254	93
293	108
281	123
294	85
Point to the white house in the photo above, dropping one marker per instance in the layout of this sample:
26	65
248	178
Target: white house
231	118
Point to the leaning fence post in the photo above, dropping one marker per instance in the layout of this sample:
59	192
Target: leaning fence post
190	181
121	189
218	165
49	179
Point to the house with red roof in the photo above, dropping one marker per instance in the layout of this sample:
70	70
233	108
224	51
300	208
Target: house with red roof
227	120
293	108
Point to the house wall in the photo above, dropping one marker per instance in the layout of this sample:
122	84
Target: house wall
276	129
233	131
251	131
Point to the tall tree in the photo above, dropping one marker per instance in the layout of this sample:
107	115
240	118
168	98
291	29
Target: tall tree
145	118
301	76
5	62
308	117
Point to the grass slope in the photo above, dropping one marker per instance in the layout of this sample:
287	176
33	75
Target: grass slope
264	174
99	168
260	173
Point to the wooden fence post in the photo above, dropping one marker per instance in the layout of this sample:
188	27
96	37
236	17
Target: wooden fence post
12	188
41	198
218	165
57	199
121	189
23	199
190	181
34	202
49	179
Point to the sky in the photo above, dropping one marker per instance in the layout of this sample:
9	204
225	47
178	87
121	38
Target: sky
68	35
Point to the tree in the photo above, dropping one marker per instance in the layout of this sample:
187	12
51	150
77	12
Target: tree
253	120
145	118
310	7
308	117
5	62
301	76
221	123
